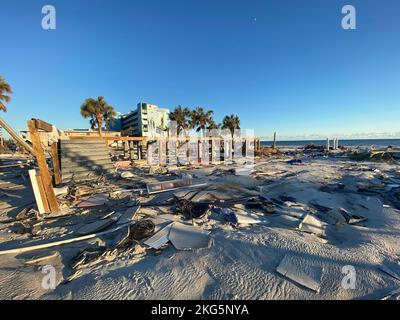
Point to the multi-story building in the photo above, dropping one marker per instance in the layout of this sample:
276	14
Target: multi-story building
144	121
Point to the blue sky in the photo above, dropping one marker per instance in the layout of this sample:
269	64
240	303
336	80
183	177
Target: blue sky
281	65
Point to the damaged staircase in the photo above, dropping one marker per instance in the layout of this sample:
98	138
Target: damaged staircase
83	160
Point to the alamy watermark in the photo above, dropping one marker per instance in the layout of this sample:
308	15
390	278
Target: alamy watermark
349	280
49	19
207	147
349	21
49	278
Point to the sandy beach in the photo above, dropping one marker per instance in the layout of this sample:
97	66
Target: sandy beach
355	207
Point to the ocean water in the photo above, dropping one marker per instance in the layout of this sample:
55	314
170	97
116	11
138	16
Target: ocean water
348	143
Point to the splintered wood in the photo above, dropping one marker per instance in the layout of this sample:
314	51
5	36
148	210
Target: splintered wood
48	198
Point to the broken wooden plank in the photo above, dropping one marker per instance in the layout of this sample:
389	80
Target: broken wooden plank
43	194
59	243
36	191
16	137
44	170
43	125
56	163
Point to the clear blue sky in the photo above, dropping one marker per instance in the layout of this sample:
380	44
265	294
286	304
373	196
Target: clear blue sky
281	65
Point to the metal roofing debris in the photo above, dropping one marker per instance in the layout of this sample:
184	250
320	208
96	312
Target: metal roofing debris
313	225
128	215
243	218
160	238
186	237
94	201
167	185
307	276
95	226
158	187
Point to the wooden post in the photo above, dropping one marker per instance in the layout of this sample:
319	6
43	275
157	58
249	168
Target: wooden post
44	170
274	144
56	163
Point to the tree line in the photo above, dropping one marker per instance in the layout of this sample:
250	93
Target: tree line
99	112
199	119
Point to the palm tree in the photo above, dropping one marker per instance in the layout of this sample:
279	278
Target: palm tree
182	118
200	120
213	125
231	122
5	91
109	118
98	110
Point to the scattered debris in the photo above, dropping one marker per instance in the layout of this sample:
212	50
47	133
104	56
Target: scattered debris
25	213
137	209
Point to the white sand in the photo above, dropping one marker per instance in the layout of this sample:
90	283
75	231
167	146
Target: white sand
241	263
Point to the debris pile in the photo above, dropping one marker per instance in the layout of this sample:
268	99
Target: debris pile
293	201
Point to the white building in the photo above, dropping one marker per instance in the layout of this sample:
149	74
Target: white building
144	121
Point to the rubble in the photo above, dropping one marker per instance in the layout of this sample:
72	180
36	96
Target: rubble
291	202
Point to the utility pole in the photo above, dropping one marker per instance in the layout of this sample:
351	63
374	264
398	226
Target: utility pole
274	143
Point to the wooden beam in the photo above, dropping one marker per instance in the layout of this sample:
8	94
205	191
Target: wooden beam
36	192
43	194
56	163
43	125
62	242
44	170
16	137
